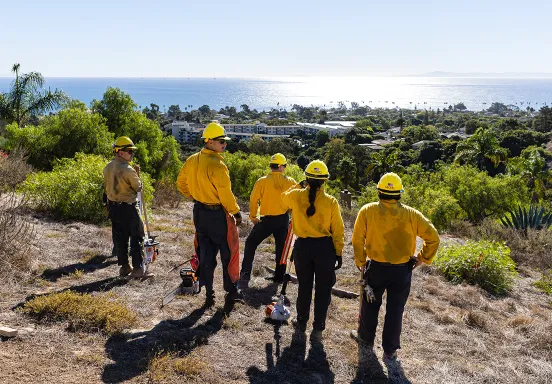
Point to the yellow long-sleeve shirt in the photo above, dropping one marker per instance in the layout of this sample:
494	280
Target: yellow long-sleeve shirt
122	183
326	221
205	178
268	189
386	231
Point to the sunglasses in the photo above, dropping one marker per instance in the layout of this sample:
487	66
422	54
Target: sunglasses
222	141
129	151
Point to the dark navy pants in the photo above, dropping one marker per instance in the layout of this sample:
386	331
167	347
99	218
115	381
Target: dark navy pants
314	260
269	225
127	224
396	281
211	229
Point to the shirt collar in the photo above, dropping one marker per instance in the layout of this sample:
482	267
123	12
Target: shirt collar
211	152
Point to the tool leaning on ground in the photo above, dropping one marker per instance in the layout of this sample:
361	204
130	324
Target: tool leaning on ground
279	310
150	244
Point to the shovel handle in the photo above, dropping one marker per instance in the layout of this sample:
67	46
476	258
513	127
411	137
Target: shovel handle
361	294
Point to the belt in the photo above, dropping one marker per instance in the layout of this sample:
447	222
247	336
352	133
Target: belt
120	203
384	264
211	207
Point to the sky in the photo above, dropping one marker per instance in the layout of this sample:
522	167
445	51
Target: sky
233	38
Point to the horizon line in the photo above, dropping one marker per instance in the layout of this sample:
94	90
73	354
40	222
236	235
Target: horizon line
505	75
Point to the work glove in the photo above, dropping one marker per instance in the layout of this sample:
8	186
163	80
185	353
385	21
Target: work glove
137	169
238	218
338	262
303	184
369	295
255	221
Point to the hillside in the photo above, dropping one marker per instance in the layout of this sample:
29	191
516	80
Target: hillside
451	333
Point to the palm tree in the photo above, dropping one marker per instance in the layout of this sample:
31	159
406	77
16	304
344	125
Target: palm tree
27	99
382	162
483	146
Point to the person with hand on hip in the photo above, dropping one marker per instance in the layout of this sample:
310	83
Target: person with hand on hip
205	179
384	243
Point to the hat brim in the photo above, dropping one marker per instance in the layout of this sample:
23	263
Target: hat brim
317	177
217	138
391	192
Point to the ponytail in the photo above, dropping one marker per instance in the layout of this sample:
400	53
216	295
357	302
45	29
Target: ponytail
314	185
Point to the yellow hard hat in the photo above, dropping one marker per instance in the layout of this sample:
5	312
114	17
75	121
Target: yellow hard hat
317	170
279	159
391	184
214	131
123	142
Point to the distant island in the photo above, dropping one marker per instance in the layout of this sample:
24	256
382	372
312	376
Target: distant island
535	75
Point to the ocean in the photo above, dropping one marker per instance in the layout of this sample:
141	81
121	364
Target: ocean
267	93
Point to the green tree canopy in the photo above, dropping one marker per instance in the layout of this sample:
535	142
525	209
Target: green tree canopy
116	107
61	136
417	133
543	122
481	148
517	140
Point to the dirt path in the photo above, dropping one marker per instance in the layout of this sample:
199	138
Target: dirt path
452	334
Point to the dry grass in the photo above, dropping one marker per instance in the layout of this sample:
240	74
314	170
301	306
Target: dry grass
168	366
451	333
82	311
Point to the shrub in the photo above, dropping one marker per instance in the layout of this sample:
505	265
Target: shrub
13	169
15	237
73	189
60	136
481	195
487	264
166	194
82	311
166	365
533	247
245	169
545	282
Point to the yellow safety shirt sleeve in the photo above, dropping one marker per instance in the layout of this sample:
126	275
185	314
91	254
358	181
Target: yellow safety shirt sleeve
359	239
182	182
337	228
431	238
255	197
220	177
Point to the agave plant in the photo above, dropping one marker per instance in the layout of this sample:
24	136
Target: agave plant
534	218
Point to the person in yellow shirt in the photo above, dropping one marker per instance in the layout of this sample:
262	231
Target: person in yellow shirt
122	184
317	253
384	243
204	178
273	220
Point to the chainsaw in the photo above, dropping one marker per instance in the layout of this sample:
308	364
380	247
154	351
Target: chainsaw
278	310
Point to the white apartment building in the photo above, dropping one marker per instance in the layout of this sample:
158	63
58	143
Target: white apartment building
185	132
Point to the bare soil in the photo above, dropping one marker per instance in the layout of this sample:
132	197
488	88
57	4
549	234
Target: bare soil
451	333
